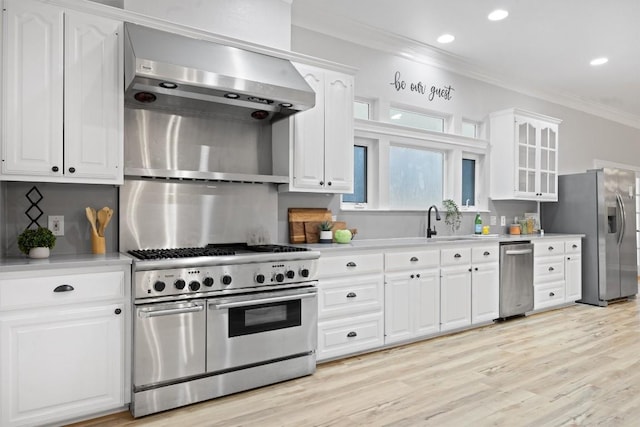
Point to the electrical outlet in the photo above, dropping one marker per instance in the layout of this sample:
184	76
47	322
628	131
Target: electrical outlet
492	220
56	224
503	220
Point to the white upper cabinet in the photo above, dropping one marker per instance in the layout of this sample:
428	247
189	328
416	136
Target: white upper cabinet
315	147
524	156
63	95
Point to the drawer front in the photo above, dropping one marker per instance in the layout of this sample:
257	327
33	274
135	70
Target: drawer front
488	253
341	337
338	297
455	256
548	295
331	266
57	290
573	246
548	248
548	270
410	260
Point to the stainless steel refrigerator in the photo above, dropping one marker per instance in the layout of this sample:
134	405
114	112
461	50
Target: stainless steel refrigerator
601	205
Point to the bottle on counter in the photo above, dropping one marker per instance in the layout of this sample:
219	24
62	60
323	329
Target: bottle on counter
478	222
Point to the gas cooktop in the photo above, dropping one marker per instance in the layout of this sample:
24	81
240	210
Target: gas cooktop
211	250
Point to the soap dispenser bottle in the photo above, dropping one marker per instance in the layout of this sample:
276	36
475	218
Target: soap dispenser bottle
478	224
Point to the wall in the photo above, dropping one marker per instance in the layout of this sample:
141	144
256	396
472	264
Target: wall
265	22
583	137
69	200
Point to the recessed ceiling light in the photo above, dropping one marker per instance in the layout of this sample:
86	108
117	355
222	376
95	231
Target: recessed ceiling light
446	38
498	15
599	61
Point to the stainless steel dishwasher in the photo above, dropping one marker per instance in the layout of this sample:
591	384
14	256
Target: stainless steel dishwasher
516	278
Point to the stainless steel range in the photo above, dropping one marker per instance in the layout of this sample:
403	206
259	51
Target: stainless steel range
219	319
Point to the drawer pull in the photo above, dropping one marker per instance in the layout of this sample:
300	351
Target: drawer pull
352	334
412	276
351	264
457	256
550	248
486	253
351	295
551	268
418	276
63	288
117	311
551	294
414	259
574	246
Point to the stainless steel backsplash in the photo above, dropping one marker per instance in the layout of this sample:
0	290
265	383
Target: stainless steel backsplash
165	214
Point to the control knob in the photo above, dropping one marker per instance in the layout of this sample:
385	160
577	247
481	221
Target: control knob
279	277
290	274
260	278
194	286
226	280
304	272
159	286
208	281
179	284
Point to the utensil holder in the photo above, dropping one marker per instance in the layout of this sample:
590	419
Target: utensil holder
98	245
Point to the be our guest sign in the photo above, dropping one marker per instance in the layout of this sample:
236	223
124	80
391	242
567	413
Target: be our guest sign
431	92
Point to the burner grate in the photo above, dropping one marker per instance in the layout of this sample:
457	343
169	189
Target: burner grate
150	254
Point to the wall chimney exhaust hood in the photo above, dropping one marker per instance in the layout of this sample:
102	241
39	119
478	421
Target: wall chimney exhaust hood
167	71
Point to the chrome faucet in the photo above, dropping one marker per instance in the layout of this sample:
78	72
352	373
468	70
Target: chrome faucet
431	232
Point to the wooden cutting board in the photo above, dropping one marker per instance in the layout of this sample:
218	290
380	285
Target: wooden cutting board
297	218
312	230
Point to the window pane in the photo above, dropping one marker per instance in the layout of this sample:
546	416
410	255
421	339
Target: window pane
468	182
361	110
469	129
359	194
415	178
416	120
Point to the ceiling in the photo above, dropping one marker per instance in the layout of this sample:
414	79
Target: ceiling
542	48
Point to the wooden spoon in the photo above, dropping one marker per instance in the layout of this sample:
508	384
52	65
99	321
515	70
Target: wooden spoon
104	216
91	216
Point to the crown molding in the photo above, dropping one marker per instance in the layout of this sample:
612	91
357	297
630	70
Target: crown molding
371	37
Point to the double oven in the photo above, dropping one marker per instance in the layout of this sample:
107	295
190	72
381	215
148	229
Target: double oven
214	321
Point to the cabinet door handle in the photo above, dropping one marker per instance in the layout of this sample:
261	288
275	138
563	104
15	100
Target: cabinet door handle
414	259
412	276
352	334
469	269
551	268
55	169
351	295
72	170
551	294
486	253
351	264
117	311
329	183
63	288
418	276
321	182
457	256
476	269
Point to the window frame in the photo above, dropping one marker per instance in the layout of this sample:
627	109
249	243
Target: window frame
446	119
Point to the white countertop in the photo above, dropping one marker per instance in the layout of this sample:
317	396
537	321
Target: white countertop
434	241
23	263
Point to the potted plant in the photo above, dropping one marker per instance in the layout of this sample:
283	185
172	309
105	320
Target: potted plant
453	217
326	236
36	242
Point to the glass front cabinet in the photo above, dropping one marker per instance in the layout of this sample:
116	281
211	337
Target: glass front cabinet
531	140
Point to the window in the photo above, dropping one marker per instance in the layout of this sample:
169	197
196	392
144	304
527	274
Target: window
359	194
361	110
469	129
468	182
415	177
416	120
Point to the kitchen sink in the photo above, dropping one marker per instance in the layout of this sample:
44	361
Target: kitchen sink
449	238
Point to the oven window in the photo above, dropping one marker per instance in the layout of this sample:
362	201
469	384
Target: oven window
264	317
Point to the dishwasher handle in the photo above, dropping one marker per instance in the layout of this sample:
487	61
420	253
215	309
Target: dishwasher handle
518	251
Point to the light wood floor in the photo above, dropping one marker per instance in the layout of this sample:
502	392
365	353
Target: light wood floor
575	366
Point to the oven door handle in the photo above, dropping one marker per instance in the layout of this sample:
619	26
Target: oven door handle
147	312
247	303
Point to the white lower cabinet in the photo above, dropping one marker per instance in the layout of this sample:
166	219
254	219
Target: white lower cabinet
350	304
557	272
65	358
573	270
455	298
485	283
412	305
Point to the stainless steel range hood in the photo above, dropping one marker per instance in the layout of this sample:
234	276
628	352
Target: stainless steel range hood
171	72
